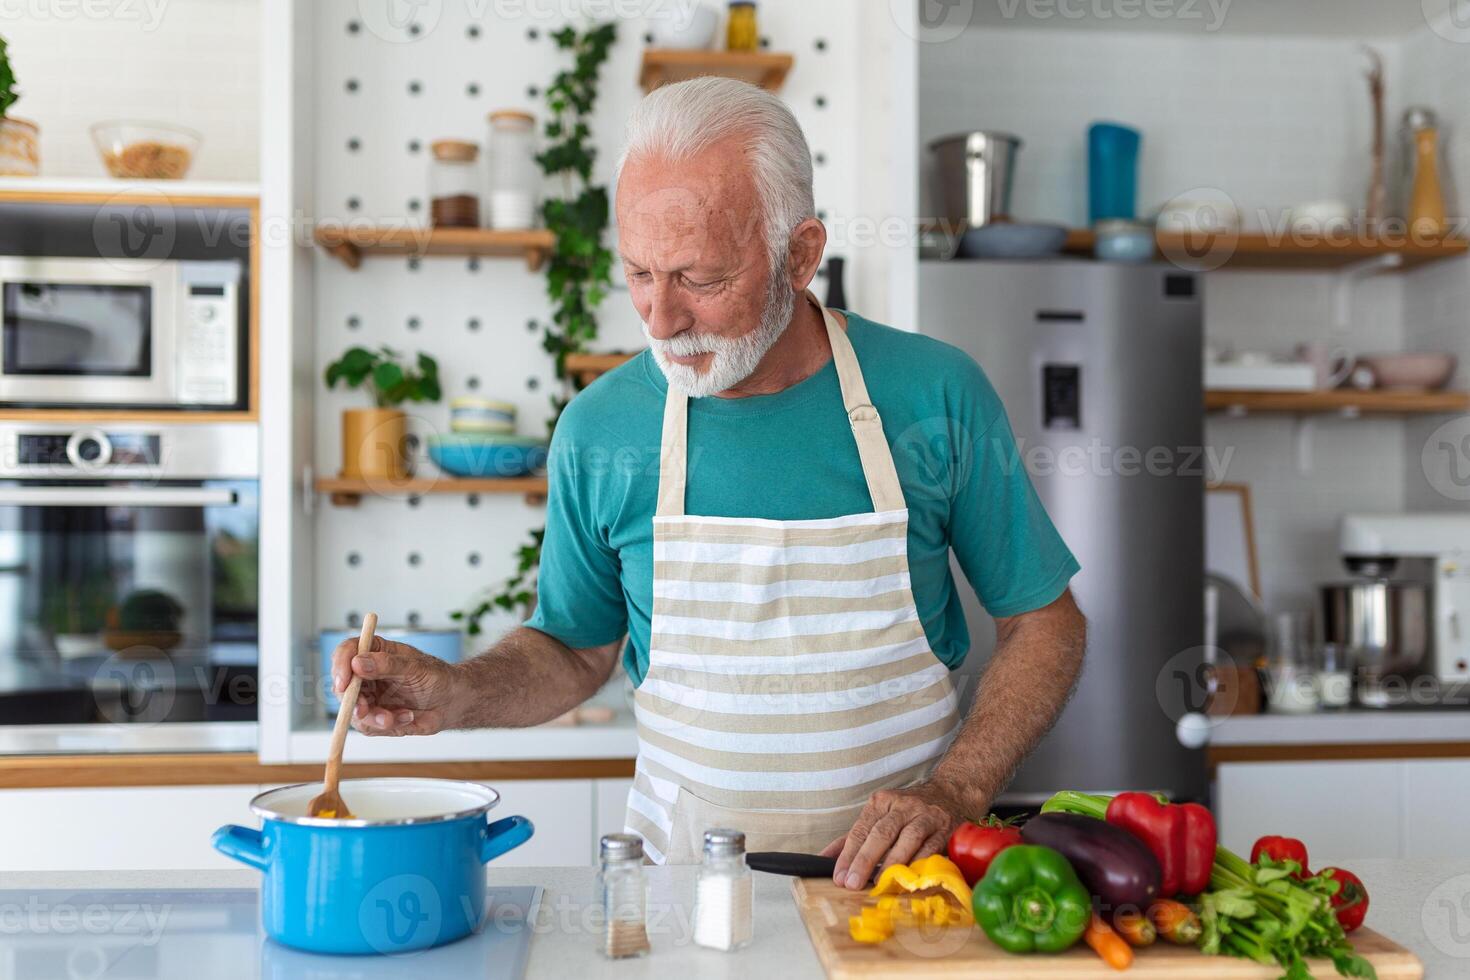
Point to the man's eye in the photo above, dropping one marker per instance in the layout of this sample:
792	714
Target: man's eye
640	276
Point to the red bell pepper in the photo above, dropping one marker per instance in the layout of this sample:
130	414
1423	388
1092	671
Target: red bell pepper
1282	849
1182	837
1351	901
973	845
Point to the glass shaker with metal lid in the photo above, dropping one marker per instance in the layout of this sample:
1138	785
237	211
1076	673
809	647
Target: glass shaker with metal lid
724	895
624	895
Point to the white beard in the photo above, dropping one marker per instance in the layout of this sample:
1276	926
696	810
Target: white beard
735	358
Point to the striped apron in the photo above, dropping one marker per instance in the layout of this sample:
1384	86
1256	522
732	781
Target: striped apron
789	676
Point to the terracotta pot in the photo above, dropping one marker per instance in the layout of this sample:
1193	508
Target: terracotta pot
20	147
372	444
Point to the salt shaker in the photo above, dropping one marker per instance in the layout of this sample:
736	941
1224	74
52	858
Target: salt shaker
724	895
624	896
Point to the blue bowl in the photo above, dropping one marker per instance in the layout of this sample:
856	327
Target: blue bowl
407	873
485	455
1012	240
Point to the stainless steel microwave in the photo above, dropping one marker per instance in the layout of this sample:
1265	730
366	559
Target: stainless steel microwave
127	333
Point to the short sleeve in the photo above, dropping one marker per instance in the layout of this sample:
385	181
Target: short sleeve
579	589
1010	551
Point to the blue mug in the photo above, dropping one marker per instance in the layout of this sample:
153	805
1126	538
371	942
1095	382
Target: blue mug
1112	172
405	873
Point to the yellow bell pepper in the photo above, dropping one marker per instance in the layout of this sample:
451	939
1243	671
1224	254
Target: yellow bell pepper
872	924
934	871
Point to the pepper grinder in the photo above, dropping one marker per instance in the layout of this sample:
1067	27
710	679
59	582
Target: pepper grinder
1426	209
836	294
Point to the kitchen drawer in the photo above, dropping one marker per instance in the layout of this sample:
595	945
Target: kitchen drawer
119	828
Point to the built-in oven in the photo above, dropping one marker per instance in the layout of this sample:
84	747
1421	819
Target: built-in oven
120	332
129	591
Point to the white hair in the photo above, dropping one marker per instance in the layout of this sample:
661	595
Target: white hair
675	122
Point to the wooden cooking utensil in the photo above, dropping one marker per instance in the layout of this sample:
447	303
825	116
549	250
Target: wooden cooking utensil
329	803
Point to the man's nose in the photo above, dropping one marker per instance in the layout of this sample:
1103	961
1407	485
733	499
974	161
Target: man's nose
667	315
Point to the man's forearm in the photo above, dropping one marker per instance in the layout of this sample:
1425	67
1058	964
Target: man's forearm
1031	675
527	678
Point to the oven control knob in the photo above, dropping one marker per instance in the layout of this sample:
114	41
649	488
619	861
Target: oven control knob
89	449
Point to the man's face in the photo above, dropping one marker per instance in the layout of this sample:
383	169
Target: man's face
695	258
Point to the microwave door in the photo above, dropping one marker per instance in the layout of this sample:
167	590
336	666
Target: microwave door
85	332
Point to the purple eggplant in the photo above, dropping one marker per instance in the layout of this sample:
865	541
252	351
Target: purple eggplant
1116	867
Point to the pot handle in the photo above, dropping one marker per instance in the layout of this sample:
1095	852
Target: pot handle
504	835
244	844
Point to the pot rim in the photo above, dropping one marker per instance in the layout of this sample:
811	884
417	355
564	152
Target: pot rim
259	808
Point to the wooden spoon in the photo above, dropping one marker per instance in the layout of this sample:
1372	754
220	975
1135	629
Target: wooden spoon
329	803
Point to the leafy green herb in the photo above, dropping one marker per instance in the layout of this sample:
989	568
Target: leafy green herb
8	94
384	375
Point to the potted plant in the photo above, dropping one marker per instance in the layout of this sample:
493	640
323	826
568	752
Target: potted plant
373	438
20	147
75	613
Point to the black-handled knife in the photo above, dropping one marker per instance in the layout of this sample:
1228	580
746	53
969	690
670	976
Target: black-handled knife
796	865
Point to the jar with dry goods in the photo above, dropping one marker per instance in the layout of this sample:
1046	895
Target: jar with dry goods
515	177
624	894
743	32
454	184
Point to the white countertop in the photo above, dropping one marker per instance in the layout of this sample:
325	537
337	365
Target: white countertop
1342	727
1423	904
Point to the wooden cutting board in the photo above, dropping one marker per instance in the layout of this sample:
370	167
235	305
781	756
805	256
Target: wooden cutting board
957	951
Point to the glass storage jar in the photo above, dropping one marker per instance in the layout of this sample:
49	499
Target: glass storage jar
454	184
743	32
515	177
624	896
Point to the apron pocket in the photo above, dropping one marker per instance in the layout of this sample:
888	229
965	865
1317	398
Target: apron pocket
798	831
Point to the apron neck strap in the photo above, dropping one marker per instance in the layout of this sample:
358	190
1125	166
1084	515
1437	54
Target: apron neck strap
867	431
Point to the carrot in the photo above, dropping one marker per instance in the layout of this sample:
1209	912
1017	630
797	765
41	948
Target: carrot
1107	944
1175	922
1134	926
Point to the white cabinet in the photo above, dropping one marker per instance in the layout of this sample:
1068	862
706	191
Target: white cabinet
119	828
612	807
169	827
1395	808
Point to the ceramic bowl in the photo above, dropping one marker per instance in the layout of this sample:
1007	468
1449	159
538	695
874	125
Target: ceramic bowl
685	27
483	455
1410	370
1012	240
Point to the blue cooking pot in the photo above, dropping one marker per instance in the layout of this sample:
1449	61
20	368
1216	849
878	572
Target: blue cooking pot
407	872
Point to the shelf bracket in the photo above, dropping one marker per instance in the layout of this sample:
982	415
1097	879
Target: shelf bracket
1348	278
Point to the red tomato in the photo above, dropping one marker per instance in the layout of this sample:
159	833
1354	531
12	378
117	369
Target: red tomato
974	845
1351	901
1282	849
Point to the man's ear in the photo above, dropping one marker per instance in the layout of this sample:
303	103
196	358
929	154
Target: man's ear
808	242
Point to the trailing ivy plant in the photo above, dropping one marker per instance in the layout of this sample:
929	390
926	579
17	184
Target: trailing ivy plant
580	270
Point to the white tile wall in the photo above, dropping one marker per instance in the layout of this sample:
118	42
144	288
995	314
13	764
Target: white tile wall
191	62
1436	73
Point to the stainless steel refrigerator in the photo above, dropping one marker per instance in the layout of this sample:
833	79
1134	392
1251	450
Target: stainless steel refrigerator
1099	366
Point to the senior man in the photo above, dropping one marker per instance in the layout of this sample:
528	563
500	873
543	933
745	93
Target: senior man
764	503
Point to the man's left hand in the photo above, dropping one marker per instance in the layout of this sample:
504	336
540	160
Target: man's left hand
896	827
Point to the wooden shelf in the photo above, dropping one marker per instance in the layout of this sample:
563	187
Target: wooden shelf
345	492
1280	251
586	367
350	244
1342	402
662	66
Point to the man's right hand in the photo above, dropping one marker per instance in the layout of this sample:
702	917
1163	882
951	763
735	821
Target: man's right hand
404	691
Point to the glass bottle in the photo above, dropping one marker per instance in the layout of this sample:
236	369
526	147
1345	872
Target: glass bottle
624	896
515	177
743	32
454	184
724	896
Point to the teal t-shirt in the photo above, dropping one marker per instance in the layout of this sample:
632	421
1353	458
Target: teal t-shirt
791	456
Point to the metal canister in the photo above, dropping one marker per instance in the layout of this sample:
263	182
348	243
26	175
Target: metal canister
973	174
1387	627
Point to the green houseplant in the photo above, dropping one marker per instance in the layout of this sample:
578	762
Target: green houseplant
20	147
373	438
580	271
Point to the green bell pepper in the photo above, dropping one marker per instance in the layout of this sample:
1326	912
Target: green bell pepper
1031	900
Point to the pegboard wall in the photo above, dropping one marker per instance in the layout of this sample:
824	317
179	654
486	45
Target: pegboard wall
384	92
